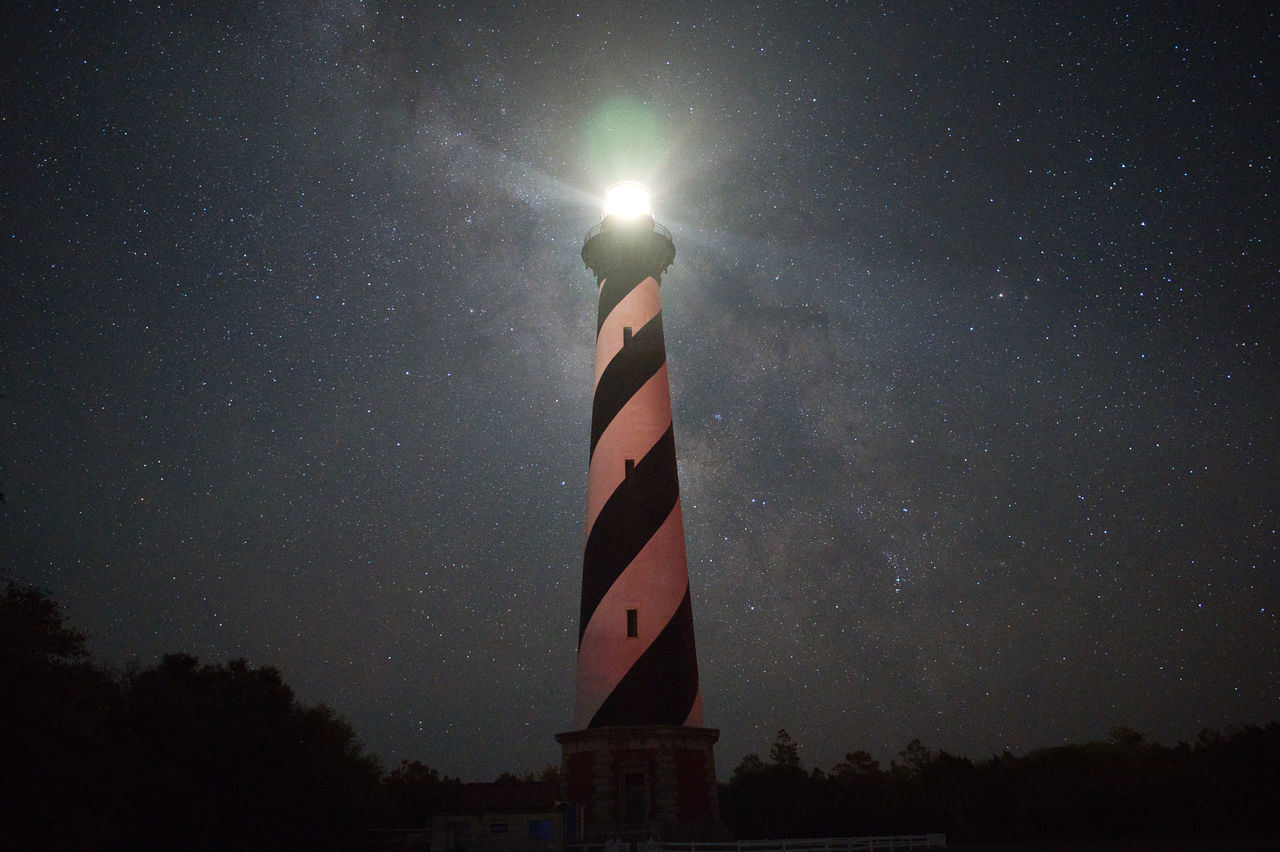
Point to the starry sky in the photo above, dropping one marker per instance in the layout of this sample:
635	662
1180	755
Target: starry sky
972	332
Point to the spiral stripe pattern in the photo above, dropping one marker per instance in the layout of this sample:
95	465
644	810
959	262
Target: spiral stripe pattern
637	663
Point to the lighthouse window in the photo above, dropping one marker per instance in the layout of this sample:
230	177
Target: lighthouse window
635	798
626	335
633	623
630	468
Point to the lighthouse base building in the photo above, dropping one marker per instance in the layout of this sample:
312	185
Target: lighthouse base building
642	782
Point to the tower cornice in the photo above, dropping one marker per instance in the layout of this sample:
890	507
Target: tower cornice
628	247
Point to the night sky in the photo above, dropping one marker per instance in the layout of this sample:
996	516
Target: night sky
973	332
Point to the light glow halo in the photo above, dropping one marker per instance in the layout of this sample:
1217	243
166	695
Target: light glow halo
627	200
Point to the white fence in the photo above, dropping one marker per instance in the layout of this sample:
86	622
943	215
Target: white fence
824	844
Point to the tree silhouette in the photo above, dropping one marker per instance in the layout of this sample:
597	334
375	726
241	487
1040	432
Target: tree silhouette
774	799
58	717
784	752
1221	792
177	756
225	757
412	793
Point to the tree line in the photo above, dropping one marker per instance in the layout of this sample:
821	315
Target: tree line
1126	788
192	756
180	755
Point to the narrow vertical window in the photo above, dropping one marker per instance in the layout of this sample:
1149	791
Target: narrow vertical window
635	798
626	335
629	469
633	623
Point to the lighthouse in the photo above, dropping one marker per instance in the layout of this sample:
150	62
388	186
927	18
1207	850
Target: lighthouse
639	764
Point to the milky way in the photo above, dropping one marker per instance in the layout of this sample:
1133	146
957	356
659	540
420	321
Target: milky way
971	331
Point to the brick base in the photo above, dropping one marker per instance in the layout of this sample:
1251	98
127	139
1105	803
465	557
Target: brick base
643	782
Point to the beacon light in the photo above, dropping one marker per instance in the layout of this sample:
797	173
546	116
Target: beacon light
627	200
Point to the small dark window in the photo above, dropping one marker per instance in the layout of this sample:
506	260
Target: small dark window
630	468
633	623
626	335
497	828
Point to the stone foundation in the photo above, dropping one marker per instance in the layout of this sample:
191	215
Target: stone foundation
643	782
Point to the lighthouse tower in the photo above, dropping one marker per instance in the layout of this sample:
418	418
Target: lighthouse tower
640	763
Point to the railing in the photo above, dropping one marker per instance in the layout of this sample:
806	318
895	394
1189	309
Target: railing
658	229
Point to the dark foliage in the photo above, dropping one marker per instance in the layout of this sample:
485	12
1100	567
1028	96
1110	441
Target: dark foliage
178	756
774	799
411	794
224	757
59	729
1223	786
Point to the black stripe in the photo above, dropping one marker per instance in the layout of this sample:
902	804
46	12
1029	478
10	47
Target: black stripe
635	364
612	291
661	687
629	518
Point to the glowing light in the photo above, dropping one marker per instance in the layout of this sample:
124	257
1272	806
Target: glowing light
628	200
